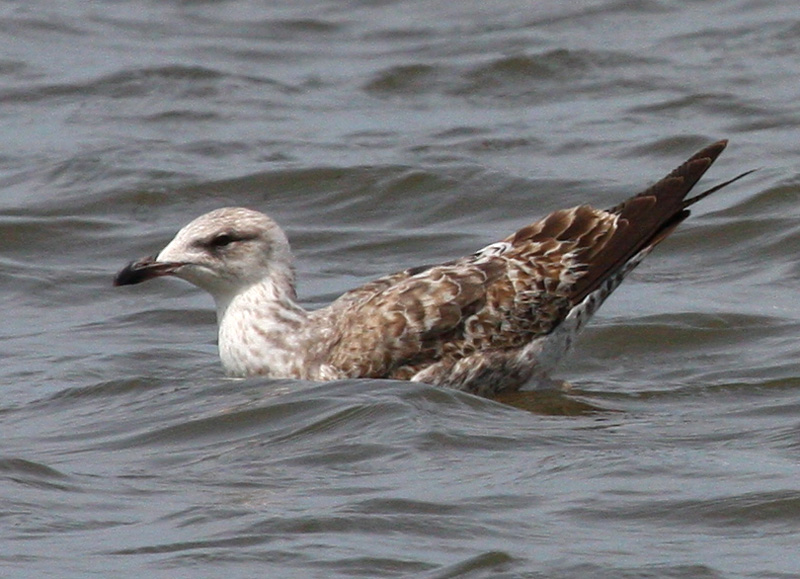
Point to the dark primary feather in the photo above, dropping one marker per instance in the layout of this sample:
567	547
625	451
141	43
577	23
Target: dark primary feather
646	219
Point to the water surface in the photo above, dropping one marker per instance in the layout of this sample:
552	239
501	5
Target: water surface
384	135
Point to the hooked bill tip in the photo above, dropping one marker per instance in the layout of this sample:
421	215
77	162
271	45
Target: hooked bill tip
142	270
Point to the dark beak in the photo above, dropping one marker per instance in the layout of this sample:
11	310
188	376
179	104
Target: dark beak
144	269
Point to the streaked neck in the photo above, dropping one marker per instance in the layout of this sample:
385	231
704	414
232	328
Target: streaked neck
262	330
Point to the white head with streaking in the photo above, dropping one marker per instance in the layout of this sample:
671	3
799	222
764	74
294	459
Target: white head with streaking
229	249
243	259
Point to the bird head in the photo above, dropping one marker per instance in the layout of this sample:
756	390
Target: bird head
222	252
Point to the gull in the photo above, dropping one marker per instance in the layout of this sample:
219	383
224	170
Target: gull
488	323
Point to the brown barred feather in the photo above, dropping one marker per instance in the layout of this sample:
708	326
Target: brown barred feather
415	321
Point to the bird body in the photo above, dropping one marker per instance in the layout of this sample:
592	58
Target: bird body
486	323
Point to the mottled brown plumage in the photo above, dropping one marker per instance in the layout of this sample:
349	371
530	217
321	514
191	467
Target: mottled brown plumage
485	323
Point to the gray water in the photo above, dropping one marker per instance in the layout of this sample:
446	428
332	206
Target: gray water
384	135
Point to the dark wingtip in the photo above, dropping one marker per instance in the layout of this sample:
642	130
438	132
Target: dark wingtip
710	152
648	218
713	150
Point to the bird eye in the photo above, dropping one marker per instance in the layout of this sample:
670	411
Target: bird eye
222	240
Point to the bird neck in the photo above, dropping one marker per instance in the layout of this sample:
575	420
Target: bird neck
261	330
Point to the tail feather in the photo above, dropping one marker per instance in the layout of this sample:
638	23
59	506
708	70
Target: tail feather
715	188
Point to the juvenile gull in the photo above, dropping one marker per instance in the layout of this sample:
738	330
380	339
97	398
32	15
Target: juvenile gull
486	323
